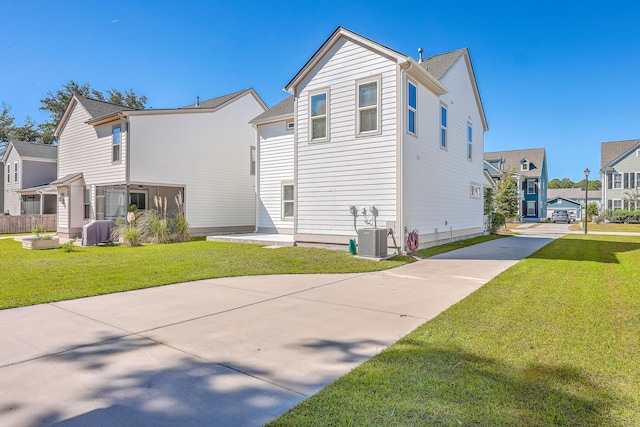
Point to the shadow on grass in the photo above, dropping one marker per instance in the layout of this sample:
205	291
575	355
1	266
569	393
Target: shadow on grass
599	249
414	384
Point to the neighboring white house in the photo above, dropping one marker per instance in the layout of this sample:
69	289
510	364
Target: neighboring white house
620	174
28	168
111	157
370	127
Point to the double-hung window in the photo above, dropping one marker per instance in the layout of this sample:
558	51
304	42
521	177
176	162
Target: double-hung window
8	173
368	103
116	144
287	201
319	113
412	107
15	172
531	186
443	126
252	167
617	180
469	141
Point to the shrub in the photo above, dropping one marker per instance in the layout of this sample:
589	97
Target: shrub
497	220
38	230
69	246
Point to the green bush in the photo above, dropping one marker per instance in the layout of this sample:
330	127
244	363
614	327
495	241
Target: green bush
497	220
623	216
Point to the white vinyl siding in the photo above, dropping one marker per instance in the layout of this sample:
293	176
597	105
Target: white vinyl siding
275	165
348	170
12	199
213	149
436	182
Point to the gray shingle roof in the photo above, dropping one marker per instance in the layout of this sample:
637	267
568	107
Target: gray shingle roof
512	158
32	149
572	193
610	151
100	108
283	109
438	65
216	102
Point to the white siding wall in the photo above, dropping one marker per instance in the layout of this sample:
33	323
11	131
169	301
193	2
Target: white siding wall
208	153
346	170
437	181
11	187
631	163
275	167
87	149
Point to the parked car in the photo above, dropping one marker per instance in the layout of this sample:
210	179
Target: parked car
572	216
560	216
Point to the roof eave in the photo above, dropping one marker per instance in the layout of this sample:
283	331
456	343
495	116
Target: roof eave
274	119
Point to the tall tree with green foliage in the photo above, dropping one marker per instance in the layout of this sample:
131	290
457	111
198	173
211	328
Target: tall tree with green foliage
594	184
7	124
507	197
560	183
27	132
56	103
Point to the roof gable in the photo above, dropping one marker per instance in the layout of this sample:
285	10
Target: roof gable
93	107
512	160
221	100
614	151
32	150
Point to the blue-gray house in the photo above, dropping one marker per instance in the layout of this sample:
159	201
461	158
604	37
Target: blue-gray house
530	167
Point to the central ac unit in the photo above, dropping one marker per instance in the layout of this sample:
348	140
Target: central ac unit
372	242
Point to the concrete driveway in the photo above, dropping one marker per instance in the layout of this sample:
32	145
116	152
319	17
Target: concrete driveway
233	351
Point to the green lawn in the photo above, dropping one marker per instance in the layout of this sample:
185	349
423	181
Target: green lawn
32	277
579	226
553	341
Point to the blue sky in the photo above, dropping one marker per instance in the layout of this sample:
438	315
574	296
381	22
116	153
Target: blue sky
563	75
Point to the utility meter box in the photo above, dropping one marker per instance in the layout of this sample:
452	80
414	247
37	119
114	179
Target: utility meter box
372	242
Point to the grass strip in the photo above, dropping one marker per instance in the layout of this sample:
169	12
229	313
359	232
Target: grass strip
553	341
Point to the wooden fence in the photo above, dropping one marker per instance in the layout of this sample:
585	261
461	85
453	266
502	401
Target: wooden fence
25	223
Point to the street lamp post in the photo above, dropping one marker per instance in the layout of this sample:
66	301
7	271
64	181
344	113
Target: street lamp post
586	199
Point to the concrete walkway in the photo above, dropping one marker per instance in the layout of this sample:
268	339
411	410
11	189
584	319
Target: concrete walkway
223	352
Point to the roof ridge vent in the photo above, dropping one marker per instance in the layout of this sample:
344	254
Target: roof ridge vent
420	58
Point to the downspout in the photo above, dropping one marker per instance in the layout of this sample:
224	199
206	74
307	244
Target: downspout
401	81
256	179
127	165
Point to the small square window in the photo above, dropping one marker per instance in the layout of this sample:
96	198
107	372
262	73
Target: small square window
290	125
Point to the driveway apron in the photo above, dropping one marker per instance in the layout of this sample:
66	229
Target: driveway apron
232	351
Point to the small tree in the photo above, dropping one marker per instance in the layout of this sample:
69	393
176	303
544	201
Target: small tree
507	196
592	210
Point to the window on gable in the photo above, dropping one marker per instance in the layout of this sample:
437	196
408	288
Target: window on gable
15	172
8	173
117	144
524	166
443	126
319	114
412	107
252	168
469	141
368	107
287	201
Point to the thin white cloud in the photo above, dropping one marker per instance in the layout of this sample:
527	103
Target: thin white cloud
114	21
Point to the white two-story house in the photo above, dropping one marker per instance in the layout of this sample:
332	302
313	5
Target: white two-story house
620	174
111	157
371	128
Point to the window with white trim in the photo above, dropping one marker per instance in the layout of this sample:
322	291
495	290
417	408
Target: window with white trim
87	203
524	166
289	125
8	173
469	141
476	191
531	186
617	180
531	208
252	166
116	144
412	108
15	172
318	115
287	201
617	204
368	102
443	126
